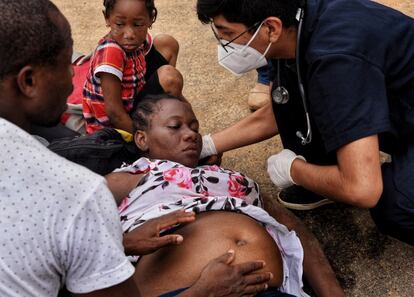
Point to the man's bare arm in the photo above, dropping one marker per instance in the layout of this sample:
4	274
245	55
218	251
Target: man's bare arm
356	180
256	127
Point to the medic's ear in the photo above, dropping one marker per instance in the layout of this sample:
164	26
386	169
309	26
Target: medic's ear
275	27
141	140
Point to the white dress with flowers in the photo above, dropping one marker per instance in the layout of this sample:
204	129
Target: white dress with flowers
168	186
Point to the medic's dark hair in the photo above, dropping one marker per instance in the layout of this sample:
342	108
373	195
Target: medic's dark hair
147	106
149	4
249	12
30	34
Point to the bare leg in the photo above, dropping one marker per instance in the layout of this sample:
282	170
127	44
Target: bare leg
170	80
168	47
316	267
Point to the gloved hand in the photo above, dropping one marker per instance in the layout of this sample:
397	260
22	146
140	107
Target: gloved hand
209	148
278	168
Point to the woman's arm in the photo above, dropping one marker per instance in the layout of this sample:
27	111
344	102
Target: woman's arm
256	127
111	89
121	184
316	267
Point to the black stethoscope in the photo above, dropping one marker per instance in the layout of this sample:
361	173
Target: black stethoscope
281	96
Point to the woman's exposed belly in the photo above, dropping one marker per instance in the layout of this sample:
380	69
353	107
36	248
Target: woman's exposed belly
211	235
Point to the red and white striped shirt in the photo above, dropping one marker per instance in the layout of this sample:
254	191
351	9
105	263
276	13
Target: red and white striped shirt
130	68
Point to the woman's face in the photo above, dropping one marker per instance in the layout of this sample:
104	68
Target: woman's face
173	133
129	22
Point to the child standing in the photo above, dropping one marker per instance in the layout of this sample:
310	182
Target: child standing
118	68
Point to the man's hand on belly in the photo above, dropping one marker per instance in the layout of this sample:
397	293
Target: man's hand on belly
219	278
146	238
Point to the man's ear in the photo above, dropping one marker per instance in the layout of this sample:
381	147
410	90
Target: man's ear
27	81
275	27
141	140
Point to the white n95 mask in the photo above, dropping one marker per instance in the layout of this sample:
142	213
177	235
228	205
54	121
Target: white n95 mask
240	59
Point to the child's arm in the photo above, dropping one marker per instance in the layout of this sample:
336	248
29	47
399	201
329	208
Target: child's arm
111	89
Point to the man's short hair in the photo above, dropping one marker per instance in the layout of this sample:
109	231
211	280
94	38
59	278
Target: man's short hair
249	12
29	34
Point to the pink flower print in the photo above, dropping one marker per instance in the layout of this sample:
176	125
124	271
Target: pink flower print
214	168
180	176
236	189
152	165
204	193
124	205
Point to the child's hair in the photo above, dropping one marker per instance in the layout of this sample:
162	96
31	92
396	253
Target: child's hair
149	4
146	107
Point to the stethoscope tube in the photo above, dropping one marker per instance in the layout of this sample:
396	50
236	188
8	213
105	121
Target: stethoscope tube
304	140
281	95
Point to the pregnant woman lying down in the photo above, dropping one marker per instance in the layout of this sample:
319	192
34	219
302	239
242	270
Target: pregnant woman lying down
227	203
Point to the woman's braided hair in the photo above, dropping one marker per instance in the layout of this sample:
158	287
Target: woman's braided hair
147	106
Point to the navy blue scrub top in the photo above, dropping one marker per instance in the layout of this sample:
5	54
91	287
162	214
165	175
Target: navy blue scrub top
358	71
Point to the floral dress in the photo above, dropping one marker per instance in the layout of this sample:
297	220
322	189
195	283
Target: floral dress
168	186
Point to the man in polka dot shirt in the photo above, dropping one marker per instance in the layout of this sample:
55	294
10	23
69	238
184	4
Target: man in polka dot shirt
59	223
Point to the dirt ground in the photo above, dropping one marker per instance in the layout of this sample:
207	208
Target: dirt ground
367	263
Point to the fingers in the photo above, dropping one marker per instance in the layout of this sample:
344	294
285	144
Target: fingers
172	239
256	282
258	278
176	217
155	243
250	267
252	290
227	258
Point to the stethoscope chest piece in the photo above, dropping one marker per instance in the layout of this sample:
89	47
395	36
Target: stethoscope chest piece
280	95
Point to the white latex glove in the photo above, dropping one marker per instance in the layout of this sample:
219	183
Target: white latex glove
278	168
209	148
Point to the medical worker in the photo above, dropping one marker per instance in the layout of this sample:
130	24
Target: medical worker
343	89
